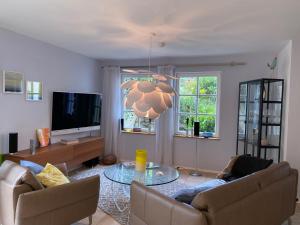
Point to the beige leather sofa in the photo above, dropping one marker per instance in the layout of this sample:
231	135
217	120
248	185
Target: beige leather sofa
20	204
267	197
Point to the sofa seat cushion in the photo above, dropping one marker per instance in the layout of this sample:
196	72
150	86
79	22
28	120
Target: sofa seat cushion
30	179
187	195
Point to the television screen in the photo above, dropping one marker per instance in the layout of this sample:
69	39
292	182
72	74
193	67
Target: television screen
75	110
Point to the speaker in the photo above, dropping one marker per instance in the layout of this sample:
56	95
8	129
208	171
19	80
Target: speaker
196	128
122	124
13	142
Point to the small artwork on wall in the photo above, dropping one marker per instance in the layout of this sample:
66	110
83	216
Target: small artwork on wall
13	82
34	91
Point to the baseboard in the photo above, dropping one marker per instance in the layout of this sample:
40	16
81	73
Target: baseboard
185	167
199	169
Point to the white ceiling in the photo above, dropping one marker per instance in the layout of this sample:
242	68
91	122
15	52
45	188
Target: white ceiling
120	29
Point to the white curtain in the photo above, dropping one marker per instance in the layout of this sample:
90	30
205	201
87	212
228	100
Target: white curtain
165	128
111	108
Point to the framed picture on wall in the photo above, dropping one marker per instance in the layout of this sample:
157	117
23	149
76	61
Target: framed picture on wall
13	82
34	91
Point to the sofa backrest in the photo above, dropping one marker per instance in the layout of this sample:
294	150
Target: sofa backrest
149	207
265	197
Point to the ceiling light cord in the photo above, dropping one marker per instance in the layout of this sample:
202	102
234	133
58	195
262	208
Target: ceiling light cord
150	51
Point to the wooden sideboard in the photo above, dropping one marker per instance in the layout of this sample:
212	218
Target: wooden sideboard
73	154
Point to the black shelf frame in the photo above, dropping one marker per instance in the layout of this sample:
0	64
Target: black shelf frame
264	100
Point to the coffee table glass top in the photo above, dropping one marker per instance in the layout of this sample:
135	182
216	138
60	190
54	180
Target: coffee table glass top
154	175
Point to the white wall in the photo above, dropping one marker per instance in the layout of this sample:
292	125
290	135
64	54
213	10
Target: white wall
284	72
292	145
212	154
58	69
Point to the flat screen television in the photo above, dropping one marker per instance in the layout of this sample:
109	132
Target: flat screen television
75	112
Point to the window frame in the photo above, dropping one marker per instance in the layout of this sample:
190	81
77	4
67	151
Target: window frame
218	97
123	75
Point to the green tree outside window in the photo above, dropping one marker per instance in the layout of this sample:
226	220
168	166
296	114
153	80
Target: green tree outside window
198	101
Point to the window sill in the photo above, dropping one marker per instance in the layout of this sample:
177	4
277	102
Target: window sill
132	132
196	137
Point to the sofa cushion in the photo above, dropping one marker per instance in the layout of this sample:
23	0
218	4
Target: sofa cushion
187	195
246	165
30	179
34	167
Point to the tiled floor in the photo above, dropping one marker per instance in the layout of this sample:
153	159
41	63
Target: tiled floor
101	218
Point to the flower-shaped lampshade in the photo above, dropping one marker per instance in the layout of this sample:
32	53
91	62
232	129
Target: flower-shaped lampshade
148	99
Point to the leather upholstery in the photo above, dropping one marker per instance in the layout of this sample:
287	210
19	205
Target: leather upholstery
267	197
12	173
220	197
148	207
228	167
61	205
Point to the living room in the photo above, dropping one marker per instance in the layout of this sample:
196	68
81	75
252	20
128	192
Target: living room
195	58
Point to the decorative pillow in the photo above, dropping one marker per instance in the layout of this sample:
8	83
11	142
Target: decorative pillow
246	165
187	195
34	167
51	176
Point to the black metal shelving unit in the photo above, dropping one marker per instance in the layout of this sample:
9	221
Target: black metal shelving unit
259	124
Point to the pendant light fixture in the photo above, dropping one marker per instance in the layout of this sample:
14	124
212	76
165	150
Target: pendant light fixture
149	98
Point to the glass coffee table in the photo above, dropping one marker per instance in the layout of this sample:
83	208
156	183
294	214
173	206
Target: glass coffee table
155	174
123	174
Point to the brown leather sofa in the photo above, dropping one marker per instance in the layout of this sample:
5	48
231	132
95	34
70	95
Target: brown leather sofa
22	204
267	197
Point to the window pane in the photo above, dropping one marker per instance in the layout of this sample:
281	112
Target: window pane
138	77
187	104
208	85
207	123
183	121
188	86
130	120
144	124
207	105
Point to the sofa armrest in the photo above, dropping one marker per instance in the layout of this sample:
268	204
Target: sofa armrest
228	167
150	207
64	204
9	195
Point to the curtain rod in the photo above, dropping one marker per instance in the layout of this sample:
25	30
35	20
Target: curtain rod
233	63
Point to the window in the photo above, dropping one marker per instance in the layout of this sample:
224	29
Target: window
198	100
130	119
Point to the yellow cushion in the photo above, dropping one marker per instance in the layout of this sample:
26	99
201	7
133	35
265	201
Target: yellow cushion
51	176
